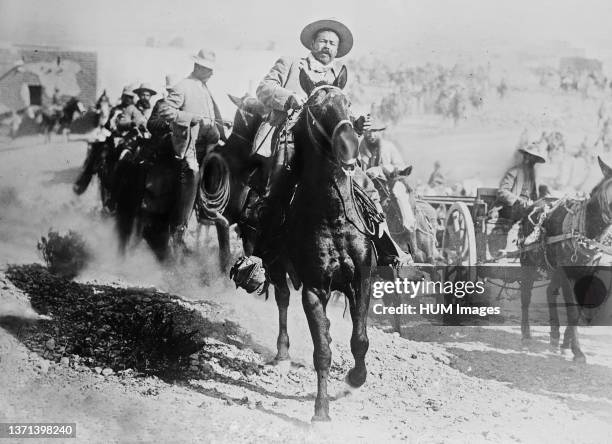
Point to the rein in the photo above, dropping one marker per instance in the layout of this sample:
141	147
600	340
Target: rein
358	195
310	118
574	224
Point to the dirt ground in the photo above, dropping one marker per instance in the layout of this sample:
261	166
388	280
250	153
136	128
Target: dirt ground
431	384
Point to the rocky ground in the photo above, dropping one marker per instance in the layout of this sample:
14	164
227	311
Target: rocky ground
133	352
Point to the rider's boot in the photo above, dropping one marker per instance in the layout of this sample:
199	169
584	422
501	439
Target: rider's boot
274	202
390	254
186	195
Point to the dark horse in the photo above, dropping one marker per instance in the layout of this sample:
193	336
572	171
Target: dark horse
568	227
232	178
327	243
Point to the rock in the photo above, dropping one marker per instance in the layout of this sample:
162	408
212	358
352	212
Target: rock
43	365
50	344
65	361
107	371
98	370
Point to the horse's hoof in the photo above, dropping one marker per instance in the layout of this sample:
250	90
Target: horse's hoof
554	345
356	378
283	364
580	359
321	417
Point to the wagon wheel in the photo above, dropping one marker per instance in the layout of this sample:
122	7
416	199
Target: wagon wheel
459	241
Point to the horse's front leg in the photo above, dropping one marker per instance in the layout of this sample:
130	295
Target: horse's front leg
526	288
359	303
314	307
223	238
552	292
281	294
571	331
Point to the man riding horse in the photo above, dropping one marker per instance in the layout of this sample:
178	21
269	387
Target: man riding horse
281	93
518	188
125	116
377	152
196	125
145	92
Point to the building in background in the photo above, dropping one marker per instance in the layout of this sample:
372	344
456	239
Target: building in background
31	75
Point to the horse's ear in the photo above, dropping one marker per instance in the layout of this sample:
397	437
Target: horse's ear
406	171
306	82
605	168
340	81
235	100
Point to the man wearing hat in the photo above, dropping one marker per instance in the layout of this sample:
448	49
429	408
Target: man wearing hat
519	188
376	152
125	116
280	91
145	92
195	123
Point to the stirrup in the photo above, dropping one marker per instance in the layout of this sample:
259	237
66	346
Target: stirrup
248	273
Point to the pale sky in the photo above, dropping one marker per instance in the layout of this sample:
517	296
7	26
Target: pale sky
378	25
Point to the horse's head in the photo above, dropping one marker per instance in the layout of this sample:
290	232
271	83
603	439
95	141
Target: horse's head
248	117
601	197
599	208
327	120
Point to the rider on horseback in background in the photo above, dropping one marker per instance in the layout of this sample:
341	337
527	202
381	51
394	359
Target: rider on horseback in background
378	154
196	125
125	116
145	92
56	99
519	189
280	91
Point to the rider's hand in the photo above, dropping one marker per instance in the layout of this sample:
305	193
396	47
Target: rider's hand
168	113
376	172
523	202
294	102
363	123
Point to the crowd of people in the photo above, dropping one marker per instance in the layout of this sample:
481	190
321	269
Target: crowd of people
427	89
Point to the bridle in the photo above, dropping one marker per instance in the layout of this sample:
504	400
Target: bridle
313	123
370	219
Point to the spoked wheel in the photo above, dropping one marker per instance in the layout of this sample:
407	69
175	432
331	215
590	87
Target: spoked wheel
459	243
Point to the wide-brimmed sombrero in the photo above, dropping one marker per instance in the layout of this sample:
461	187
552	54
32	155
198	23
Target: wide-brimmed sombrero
376	128
144	87
533	150
344	34
128	91
205	58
